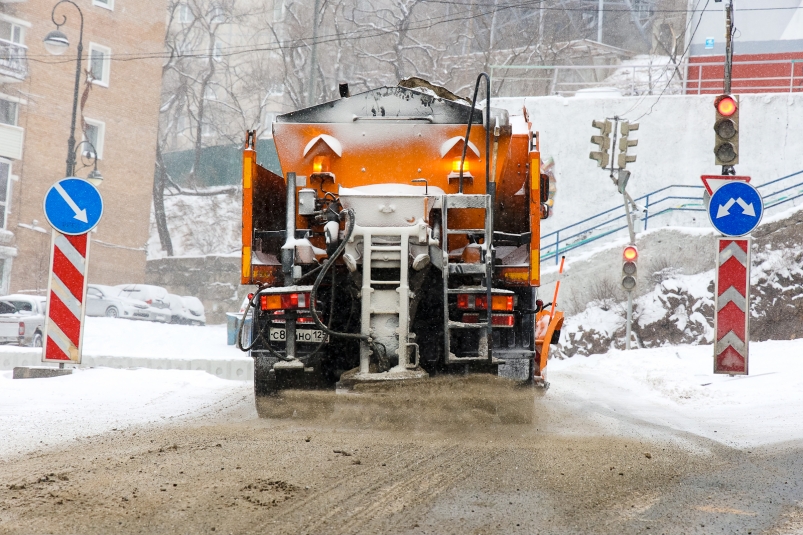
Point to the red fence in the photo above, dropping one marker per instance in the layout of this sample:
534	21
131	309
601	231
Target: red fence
758	73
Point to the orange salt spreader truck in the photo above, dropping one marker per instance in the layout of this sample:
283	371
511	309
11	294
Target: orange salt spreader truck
402	242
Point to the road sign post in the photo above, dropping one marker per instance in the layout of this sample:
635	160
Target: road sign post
732	316
735	209
73	207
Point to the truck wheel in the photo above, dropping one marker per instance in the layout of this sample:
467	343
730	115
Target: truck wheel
37	340
112	312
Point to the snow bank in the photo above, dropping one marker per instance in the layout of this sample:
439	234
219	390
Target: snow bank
119	343
107	336
675	387
35	413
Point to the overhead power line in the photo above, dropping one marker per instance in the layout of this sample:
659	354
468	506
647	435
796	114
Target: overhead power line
369	33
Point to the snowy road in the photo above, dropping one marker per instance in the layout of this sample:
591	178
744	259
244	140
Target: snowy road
621	443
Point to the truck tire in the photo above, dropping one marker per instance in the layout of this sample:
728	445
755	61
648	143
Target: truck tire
37	339
264	377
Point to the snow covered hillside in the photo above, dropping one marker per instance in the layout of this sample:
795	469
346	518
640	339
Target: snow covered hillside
200	225
680	308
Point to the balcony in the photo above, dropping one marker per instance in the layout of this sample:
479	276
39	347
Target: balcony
13	62
11	141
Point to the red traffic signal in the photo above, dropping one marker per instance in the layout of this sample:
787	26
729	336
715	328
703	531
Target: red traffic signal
726	106
630	253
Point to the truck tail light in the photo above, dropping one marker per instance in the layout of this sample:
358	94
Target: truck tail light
284	301
465	301
497	320
503	320
480	302
22	329
471	318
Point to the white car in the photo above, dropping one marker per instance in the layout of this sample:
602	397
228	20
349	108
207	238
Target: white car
195	308
22	319
154	296
186	310
106	301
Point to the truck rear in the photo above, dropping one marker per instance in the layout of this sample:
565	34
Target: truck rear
402	242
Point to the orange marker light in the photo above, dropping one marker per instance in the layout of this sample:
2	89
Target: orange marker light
320	164
456	166
630	253
726	106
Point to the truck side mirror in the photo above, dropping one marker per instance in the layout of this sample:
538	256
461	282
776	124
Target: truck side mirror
544	187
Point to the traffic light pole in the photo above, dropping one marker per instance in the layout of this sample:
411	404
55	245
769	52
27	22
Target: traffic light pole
728	169
629	320
728	45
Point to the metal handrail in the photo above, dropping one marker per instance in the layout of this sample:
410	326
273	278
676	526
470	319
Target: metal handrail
555	249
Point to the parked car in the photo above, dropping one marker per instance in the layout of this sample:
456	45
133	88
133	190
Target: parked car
106	301
197	314
154	296
186	310
22	319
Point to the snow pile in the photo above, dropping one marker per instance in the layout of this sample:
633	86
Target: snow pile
200	225
679	310
35	413
647	75
674	387
144	339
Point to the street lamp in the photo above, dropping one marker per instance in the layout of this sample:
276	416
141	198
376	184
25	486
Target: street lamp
56	43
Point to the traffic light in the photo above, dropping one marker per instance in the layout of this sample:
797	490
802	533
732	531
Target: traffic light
603	141
726	128
625	143
629	267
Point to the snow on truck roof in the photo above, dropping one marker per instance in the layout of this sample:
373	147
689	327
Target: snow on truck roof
394	104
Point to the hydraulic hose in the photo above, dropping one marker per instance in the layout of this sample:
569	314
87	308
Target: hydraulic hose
350	222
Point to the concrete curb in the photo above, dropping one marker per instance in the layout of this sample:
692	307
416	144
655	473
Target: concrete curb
237	369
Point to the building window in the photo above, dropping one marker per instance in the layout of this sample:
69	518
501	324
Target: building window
217	15
13	33
278	10
108	4
94	132
643	10
207	128
8	112
5	187
99	63
185	15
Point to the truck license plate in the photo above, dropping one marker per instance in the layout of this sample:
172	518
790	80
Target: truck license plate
302	335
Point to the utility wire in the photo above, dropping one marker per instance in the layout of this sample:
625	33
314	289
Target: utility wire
366	33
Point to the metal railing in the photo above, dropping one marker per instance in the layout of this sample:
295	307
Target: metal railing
13	59
670	199
700	77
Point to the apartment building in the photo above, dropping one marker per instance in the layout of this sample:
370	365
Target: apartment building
118	114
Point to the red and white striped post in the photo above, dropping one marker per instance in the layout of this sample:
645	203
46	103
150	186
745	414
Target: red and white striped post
66	295
732	302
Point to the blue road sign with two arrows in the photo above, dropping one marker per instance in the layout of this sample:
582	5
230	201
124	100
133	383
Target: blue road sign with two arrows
73	206
736	208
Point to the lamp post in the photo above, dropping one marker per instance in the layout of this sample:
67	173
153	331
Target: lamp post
56	43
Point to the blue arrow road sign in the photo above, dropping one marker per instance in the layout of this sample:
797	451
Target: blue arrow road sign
735	209
73	206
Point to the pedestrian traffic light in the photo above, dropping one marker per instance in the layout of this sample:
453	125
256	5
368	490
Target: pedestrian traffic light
629	267
603	141
726	128
625	143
